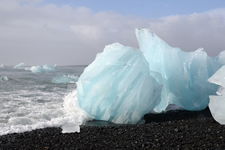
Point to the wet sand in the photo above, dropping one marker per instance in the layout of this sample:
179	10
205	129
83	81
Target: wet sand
170	130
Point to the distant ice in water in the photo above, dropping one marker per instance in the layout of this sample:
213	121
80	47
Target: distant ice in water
65	79
27	68
217	102
20	66
49	68
30	101
3	78
1	66
36	69
44	69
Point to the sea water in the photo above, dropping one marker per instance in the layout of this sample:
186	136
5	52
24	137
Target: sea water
31	101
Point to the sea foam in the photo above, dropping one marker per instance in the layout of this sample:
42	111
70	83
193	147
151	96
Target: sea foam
30	116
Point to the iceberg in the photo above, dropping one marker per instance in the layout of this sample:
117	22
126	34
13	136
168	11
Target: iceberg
1	66
183	75
44	69
122	83
217	102
117	86
65	79
19	66
3	78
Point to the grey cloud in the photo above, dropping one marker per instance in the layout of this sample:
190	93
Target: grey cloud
39	34
193	31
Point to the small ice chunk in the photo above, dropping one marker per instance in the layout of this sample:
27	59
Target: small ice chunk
3	78
19	66
44	69
37	69
117	86
217	102
1	66
26	68
69	128
49	68
65	79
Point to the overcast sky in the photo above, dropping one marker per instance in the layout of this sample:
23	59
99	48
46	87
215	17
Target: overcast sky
72	32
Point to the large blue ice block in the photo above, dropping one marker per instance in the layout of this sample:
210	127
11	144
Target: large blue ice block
184	75
117	86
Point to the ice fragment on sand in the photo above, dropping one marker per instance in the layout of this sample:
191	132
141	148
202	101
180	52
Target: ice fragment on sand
117	86
217	102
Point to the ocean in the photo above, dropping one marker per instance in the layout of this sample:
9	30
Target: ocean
32	101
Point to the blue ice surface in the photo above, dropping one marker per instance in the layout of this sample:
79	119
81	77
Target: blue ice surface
19	66
44	69
1	66
183	75
65	79
217	102
117	86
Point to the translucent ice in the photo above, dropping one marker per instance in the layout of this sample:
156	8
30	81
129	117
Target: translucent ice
217	102
45	68
110	87
65	79
184	75
49	68
19	66
1	66
36	69
117	86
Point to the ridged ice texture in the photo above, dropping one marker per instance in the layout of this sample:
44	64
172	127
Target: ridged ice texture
117	86
184	75
19	66
217	103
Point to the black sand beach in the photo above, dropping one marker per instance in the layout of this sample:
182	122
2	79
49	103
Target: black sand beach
171	130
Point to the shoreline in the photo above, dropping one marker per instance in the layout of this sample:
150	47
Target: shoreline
173	129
